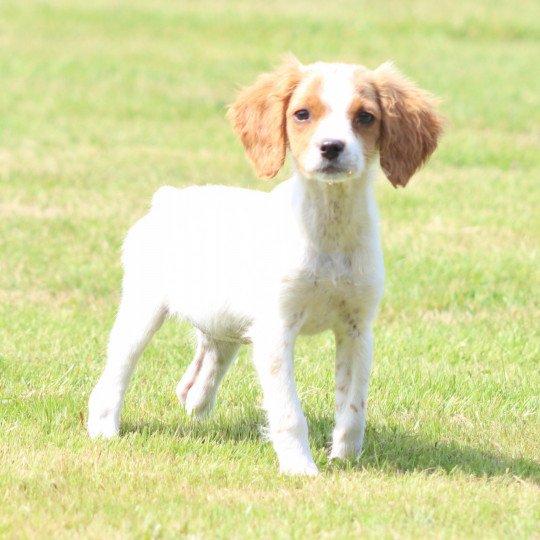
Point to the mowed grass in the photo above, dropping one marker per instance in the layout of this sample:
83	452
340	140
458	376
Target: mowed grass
102	102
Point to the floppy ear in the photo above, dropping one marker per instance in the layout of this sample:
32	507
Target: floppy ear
258	117
410	127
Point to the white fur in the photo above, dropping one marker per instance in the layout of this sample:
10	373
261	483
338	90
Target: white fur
336	94
249	267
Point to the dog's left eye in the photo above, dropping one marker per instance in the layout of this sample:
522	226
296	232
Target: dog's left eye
302	115
364	118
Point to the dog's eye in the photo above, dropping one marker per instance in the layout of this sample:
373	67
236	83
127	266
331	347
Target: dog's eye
302	115
364	118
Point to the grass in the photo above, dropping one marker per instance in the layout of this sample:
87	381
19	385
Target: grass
103	102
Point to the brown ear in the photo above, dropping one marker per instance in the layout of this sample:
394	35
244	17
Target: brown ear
258	117
410	124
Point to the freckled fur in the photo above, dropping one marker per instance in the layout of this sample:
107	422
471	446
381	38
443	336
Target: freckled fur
275	365
262	268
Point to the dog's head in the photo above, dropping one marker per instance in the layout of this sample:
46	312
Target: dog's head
336	119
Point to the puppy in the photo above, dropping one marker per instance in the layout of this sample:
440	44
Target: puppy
251	267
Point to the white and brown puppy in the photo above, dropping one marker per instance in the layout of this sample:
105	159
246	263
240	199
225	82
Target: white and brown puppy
250	267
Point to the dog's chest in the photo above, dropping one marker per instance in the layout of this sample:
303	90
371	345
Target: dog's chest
337	292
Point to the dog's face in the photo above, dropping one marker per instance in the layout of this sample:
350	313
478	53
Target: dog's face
336	119
333	122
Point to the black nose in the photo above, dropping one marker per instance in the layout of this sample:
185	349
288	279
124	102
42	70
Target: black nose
331	148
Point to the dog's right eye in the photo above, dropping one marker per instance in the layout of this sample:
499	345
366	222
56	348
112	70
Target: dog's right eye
302	115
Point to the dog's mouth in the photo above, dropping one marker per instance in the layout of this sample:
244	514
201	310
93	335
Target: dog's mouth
334	172
332	169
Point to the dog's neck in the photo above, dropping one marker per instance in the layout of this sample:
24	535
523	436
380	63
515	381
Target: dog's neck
336	216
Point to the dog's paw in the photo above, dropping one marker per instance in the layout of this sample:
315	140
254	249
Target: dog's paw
102	425
198	404
300	466
345	450
197	399
103	414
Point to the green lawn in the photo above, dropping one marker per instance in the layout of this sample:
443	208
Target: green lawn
100	103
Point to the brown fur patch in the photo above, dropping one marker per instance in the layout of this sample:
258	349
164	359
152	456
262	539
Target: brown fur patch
411	124
275	366
366	99
300	133
258	117
354	408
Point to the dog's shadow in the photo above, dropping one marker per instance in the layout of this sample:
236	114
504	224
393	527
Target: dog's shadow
392	449
398	450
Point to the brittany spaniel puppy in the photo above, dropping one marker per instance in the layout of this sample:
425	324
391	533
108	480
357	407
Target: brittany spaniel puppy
250	267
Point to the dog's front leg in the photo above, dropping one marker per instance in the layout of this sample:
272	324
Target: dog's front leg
273	355
354	354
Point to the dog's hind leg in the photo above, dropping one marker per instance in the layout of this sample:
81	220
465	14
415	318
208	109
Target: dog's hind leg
138	319
198	387
190	376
